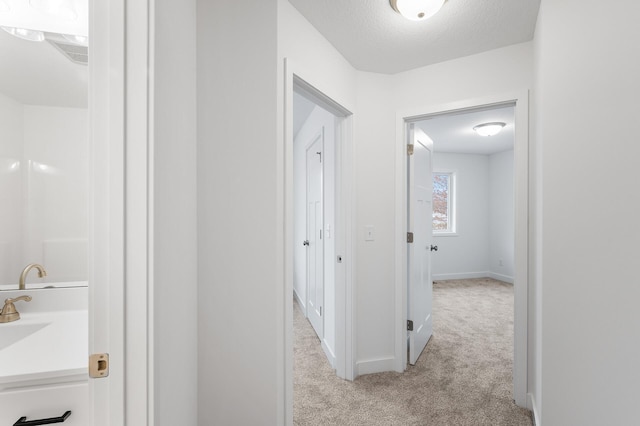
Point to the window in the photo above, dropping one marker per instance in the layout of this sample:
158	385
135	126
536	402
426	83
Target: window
443	202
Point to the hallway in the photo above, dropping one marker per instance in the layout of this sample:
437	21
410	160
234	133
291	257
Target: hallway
462	378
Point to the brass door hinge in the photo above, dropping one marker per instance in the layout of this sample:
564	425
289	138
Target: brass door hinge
409	149
98	366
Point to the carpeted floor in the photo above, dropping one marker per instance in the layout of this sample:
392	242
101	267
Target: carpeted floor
462	378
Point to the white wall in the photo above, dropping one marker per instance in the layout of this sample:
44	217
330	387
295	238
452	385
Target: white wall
374	135
44	188
174	209
380	97
484	218
501	216
465	254
319	120
240	265
11	154
314	58
229	290
587	75
56	185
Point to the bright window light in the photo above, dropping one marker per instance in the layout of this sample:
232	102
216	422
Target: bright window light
443	202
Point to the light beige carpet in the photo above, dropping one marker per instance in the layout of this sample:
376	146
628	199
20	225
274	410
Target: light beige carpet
462	378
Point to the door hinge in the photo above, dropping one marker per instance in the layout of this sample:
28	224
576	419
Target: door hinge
409	325
98	366
409	237
409	149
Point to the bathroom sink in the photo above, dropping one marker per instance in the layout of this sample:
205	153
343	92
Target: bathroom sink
12	333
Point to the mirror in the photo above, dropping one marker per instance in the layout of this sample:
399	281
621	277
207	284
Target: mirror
44	144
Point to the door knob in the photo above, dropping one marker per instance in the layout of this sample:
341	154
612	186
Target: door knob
434	248
305	243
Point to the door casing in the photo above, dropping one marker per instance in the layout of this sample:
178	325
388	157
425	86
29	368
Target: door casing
520	101
119	118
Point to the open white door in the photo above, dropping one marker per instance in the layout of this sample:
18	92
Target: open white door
314	242
419	291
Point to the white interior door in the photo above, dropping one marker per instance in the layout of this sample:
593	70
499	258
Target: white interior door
314	242
419	292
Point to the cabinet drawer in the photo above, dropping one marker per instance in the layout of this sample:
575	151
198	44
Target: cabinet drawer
46	402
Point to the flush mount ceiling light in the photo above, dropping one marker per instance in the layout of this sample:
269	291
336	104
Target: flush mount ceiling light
489	129
25	34
417	10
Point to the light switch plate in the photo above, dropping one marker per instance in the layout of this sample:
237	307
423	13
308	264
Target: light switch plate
369	233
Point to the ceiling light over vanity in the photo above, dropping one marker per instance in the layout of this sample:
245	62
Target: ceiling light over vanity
25	34
417	10
489	129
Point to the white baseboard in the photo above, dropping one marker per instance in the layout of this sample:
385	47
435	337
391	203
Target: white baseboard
460	276
300	302
534	409
468	275
329	354
374	366
500	277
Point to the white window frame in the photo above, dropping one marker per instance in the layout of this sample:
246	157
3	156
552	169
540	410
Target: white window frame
451	210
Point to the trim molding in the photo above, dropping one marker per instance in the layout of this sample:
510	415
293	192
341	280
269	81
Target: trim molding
329	354
375	366
460	276
468	275
301	304
500	277
533	407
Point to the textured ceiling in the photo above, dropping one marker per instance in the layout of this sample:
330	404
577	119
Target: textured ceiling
454	132
373	37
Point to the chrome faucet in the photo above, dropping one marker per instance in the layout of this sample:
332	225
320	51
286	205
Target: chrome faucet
41	273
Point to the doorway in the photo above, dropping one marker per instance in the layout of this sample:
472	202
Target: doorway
520	273
314	205
341	231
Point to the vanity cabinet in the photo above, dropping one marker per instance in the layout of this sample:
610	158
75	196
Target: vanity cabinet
42	402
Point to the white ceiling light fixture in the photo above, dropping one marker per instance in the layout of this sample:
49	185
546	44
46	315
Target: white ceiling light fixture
75	39
417	10
25	34
489	129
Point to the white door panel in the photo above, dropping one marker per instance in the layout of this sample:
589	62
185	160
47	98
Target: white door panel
315	246
419	292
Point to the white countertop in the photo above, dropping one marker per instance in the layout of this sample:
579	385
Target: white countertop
56	350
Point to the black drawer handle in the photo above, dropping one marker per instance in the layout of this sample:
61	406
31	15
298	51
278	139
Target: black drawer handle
22	421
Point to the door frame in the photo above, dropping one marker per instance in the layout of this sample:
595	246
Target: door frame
120	314
296	75
520	100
